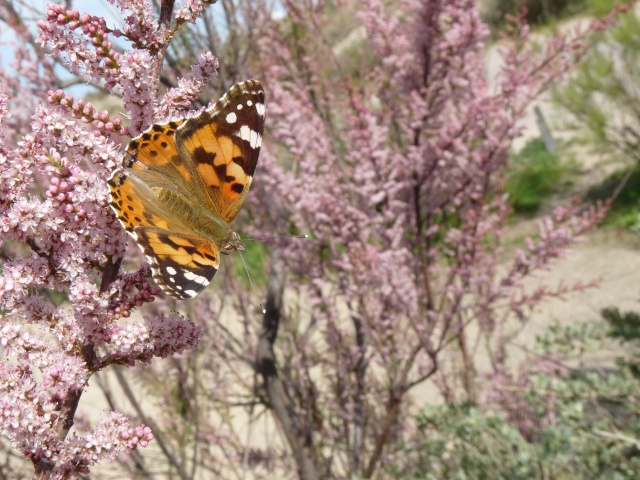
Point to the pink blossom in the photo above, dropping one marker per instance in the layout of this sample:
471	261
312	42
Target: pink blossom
190	86
192	9
398	176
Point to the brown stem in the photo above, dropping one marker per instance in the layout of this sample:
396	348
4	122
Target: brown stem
393	406
297	433
43	468
468	373
110	274
359	414
166	10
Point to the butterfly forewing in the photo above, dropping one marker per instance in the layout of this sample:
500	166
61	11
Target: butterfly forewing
206	162
133	205
155	148
222	144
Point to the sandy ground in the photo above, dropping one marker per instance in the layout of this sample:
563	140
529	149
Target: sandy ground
611	257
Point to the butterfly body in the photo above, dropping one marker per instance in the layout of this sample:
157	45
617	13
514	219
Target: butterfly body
184	182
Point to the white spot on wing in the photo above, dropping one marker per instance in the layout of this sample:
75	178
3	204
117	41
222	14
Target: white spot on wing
196	278
239	107
171	270
231	117
249	135
249	103
260	109
190	293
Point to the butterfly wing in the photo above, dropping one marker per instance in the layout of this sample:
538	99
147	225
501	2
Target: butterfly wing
135	204
152	160
155	149
222	145
182	265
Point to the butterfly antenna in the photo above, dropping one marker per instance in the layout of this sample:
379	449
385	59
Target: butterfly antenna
251	281
275	238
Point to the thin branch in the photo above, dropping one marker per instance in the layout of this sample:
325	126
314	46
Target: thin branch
298	435
157	432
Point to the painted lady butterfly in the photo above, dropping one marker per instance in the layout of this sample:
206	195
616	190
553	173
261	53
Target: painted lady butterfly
184	182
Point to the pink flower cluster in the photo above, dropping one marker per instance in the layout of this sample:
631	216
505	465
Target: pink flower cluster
91	54
69	237
160	336
142	26
189	87
191	10
63	303
112	437
84	110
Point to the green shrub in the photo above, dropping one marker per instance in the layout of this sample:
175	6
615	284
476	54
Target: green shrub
600	8
588	422
254	258
624	187
538	11
534	175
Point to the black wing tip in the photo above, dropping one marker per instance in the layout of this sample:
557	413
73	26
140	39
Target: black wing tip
252	83
253	87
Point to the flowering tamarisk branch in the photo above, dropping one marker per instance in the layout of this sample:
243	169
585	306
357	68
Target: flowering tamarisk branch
131	74
59	320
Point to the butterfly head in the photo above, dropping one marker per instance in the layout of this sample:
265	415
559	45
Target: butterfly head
232	243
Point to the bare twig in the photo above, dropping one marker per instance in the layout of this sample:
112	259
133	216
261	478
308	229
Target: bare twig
180	470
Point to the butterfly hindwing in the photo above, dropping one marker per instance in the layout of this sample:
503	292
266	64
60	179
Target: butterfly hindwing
222	144
182	265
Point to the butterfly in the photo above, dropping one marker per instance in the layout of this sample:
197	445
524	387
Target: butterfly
183	183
